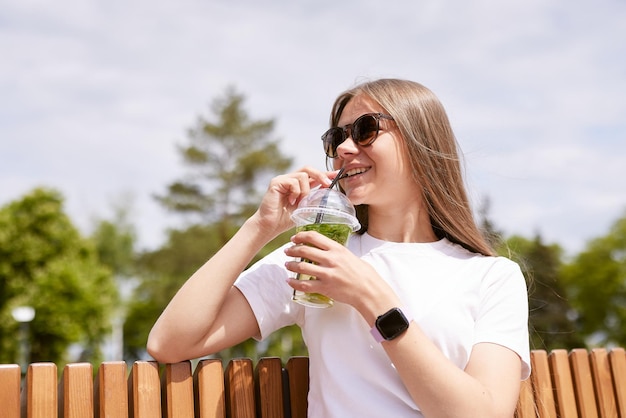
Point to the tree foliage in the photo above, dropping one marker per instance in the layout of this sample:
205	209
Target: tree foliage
115	242
228	160
551	319
46	264
596	283
115	245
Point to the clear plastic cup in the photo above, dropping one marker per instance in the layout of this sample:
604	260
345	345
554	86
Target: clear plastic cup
330	213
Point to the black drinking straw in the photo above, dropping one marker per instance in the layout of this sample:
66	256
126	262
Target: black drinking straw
320	215
337	178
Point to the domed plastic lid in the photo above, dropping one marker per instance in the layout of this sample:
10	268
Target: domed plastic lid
326	206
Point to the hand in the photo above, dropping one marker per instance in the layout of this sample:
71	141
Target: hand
340	274
283	195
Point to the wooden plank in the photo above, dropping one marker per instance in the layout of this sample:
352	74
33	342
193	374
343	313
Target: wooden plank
583	383
298	372
239	389
111	399
178	384
209	389
526	401
269	388
41	391
542	384
562	383
617	358
10	380
145	390
603	383
76	391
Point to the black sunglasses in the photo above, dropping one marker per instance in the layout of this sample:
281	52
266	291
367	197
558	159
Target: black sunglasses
363	131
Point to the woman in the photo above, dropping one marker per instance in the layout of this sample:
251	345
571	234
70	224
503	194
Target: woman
427	321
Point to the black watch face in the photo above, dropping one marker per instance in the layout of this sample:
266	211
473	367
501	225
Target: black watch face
392	324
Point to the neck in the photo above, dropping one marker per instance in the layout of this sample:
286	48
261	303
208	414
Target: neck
395	226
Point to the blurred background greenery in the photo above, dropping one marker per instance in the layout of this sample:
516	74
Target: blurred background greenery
96	297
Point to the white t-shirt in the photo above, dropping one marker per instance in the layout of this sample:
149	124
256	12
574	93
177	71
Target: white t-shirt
458	298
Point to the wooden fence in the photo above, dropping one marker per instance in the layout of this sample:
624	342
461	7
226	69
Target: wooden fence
579	383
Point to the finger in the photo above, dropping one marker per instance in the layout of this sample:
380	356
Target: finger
305	252
304	267
307	286
317	177
292	186
333	174
307	178
315	239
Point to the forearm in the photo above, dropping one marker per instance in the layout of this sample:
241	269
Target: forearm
189	318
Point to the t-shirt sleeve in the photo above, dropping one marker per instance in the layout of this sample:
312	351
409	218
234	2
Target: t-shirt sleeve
264	286
503	315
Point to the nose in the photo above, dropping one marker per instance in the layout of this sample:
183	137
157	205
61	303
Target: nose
347	147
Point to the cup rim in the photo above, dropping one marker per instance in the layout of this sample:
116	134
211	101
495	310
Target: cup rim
300	215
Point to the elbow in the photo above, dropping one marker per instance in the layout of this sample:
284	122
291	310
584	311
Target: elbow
155	349
160	350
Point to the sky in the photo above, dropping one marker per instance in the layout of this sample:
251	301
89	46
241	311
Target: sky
95	95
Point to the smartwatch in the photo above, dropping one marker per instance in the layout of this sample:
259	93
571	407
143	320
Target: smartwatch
390	325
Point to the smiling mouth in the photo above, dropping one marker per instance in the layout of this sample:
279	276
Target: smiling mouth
355	171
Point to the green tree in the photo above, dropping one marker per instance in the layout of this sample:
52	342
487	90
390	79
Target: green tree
230	159
46	264
596	282
229	162
551	319
115	241
115	246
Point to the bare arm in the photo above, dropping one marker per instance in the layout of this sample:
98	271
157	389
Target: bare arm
200	319
208	314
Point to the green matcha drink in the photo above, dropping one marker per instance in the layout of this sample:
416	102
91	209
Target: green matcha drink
336	232
330	213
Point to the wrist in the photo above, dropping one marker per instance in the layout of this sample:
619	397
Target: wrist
370	309
257	228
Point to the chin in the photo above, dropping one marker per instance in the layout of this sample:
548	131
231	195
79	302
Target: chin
355	198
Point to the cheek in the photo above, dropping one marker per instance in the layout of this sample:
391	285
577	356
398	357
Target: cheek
403	166
401	158
391	161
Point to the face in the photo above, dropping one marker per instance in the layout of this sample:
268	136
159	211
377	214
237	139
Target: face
378	174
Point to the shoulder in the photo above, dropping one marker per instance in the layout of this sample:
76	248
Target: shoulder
496	263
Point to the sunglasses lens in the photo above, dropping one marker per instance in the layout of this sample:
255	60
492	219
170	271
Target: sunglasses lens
332	139
364	129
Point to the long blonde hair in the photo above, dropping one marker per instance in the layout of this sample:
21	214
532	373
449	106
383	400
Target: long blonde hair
434	155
